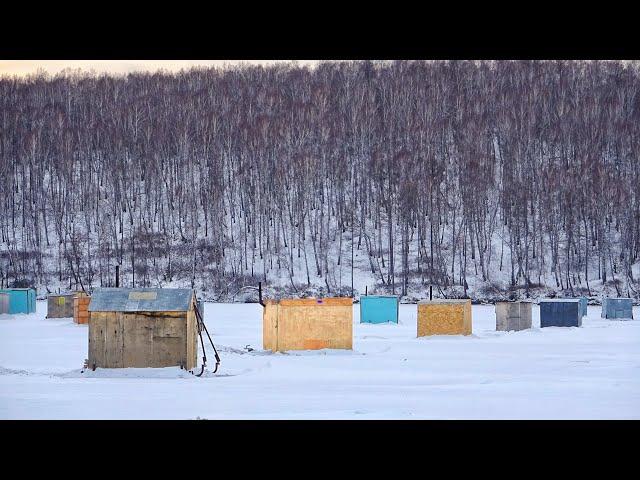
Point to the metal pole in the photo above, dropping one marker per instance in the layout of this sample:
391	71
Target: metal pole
260	294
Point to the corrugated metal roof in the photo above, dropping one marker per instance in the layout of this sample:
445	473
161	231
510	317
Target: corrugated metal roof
141	300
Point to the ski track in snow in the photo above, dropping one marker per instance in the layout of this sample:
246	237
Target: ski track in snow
591	372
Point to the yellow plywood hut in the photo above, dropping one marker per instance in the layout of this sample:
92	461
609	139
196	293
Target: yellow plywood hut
444	317
142	327
307	324
81	308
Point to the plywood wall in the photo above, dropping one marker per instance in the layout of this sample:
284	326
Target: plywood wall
81	308
441	318
141	339
308	324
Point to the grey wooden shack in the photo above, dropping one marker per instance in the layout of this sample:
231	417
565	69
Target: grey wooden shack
613	308
142	327
60	306
513	316
4	303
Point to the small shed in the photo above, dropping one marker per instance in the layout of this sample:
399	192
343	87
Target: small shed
307	324
81	308
379	309
21	300
142	327
560	312
4	303
444	317
613	308
513	316
60	306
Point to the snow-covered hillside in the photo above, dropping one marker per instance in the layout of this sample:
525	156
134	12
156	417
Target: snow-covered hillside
485	179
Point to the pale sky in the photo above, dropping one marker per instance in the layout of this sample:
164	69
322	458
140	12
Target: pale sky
118	67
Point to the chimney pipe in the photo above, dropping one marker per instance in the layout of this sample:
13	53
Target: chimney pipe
260	294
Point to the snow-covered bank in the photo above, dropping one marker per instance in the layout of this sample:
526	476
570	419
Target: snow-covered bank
591	372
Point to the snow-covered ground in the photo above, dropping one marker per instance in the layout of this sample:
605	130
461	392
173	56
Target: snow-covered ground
591	372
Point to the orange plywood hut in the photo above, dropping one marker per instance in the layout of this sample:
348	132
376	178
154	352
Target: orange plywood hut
307	324
444	317
81	308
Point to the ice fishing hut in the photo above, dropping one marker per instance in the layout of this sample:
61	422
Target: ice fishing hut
307	324
4	303
513	316
142	327
444	317
60	306
21	300
379	309
613	308
583	306
560	312
81	308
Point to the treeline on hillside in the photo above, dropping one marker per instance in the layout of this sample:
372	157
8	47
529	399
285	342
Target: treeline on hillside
434	171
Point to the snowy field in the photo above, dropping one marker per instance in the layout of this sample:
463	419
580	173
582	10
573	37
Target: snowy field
591	372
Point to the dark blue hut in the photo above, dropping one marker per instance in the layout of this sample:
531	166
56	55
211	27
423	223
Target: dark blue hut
562	312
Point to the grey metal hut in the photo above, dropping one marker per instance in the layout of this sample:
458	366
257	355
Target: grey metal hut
617	308
142	327
513	316
4	303
60	306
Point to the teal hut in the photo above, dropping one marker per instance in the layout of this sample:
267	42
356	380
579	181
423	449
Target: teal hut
21	300
378	309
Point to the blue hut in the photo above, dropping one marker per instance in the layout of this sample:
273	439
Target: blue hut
583	306
378	309
613	308
21	300
562	312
